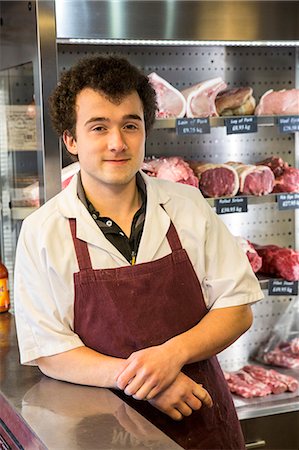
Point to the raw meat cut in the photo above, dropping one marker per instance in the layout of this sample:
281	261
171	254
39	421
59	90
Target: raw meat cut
245	385
288	181
201	97
260	389
151	166
282	102
279	261
255	381
235	102
286	177
268	377
291	382
252	255
170	101
276	164
280	358
238	386
173	168
254	180
277	352
294	346
216	180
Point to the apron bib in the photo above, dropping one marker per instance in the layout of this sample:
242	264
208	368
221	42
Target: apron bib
119	311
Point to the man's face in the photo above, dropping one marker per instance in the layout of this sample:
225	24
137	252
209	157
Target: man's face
110	139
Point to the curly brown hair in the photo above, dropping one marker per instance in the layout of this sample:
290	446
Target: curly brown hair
114	76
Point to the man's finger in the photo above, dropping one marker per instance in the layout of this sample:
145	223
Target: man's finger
203	395
193	402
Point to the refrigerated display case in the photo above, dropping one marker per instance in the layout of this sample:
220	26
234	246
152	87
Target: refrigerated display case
30	161
185	42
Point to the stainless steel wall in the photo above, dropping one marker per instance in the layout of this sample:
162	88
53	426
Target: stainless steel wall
178	19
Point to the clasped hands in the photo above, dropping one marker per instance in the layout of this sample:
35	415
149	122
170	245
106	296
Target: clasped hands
154	374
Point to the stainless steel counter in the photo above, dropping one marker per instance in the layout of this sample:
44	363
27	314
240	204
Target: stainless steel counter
40	413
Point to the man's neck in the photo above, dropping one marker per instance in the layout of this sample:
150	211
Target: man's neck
119	203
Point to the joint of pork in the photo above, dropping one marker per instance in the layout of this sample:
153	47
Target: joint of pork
201	97
236	101
285	101
170	101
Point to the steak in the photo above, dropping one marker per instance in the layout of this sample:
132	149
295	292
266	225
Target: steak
235	102
288	181
254	180
286	177
216	180
170	101
201	97
282	102
173	168
275	163
279	261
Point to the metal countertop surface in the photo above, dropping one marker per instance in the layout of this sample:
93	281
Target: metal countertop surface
62	415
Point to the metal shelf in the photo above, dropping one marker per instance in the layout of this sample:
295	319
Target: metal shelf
21	212
251	199
248	408
264	121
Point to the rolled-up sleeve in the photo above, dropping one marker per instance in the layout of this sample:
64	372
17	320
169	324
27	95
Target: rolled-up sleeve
43	303
229	279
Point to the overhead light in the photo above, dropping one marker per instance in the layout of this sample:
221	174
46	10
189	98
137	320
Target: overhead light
164	42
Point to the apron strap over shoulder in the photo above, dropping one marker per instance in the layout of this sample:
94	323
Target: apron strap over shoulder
173	238
172	235
81	249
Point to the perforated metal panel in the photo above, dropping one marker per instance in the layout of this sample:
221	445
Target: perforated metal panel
266	313
262	68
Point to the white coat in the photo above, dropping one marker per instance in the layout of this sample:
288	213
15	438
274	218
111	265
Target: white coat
46	260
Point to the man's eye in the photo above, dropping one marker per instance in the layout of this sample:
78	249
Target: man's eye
131	126
98	128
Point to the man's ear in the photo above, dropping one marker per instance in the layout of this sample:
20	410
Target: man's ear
70	142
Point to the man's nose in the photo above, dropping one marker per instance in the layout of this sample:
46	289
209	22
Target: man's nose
116	141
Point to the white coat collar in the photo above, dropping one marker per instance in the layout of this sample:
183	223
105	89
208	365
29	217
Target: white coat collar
156	223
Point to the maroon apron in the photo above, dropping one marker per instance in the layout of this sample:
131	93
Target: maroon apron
122	310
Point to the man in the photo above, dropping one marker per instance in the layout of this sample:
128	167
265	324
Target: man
128	282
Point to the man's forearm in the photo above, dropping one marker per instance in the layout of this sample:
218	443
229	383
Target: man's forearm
82	365
215	332
149	371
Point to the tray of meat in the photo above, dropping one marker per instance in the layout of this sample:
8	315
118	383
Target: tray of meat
254	385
